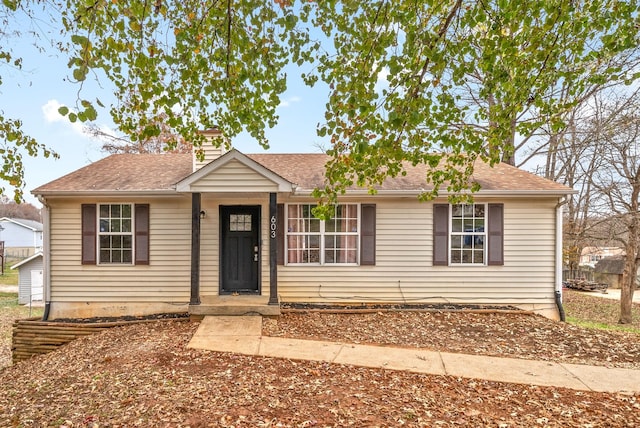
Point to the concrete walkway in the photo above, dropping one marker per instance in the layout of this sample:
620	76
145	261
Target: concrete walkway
611	294
242	335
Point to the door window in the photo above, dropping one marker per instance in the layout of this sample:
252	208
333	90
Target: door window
240	222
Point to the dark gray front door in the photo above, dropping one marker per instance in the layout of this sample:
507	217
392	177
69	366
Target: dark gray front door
239	249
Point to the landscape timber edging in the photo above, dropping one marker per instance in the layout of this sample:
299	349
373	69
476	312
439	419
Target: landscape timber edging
33	337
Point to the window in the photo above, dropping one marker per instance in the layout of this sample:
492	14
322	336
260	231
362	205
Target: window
468	235
240	222
115	234
312	241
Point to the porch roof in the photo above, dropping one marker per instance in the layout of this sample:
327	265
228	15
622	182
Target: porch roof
234	172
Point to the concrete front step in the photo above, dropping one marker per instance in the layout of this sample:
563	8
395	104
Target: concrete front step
234	305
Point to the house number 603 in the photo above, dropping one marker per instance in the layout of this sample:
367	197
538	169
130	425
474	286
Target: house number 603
273	226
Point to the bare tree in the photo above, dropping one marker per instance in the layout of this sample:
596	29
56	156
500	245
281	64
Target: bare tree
569	161
615	183
534	132
9	208
158	143
155	135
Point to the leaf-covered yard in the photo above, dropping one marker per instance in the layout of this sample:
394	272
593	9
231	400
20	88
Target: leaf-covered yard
143	375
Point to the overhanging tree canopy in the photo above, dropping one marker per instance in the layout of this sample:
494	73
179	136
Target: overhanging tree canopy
14	141
460	75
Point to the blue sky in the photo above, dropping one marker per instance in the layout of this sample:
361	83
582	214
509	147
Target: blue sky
34	94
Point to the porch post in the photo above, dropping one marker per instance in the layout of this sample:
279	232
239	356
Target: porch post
195	249
273	259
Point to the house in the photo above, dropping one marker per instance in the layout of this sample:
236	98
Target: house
22	238
150	233
589	256
30	279
609	271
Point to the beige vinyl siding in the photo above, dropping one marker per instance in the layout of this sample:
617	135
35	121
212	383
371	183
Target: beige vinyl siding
165	279
234	177
404	271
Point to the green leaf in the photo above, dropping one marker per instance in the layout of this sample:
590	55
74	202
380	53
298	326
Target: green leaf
80	74
91	113
11	5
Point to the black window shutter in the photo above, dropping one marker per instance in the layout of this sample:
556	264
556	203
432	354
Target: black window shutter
88	234
496	235
280	234
440	234
142	234
368	235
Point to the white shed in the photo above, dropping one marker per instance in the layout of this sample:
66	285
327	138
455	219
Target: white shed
30	279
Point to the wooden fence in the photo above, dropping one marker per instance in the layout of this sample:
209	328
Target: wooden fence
33	337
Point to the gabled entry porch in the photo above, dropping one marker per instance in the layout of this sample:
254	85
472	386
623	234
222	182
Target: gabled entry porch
234	221
233	260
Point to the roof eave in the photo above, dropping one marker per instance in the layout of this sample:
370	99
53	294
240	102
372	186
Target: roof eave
308	192
106	193
26	226
418	192
27	260
520	193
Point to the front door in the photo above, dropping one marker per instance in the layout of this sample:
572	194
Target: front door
239	249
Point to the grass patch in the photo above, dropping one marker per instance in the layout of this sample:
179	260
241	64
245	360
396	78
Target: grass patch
591	311
8	300
9	307
602	326
10	276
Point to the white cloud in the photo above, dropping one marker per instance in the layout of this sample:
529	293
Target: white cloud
289	101
50	112
51	115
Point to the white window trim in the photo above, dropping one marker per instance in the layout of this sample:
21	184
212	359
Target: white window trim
322	236
483	234
99	234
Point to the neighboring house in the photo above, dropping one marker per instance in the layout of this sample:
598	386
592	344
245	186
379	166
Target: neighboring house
589	256
609	271
30	279
22	238
144	233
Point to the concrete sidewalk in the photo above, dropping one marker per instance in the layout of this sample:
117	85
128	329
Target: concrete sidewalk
242	335
611	294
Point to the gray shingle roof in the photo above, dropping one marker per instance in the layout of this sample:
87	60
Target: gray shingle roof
307	171
160	172
124	172
32	224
